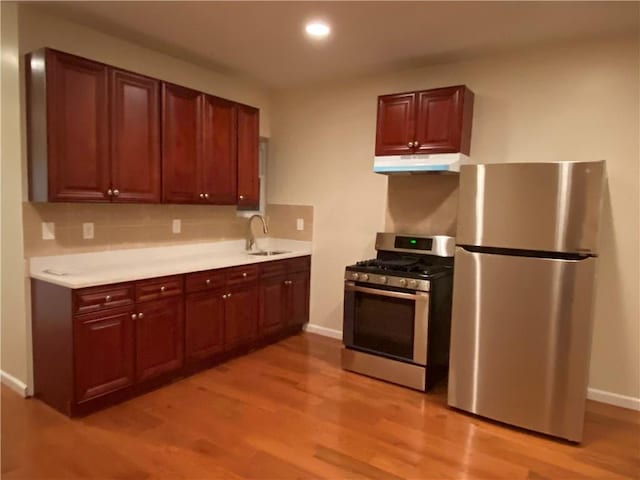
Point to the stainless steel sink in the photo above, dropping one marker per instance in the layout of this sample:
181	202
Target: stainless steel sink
269	253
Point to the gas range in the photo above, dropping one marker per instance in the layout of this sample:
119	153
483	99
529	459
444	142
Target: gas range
397	310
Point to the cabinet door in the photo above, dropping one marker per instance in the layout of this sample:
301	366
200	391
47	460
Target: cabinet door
180	138
248	156
272	305
298	298
204	325
159	337
218	161
241	316
104	353
77	129
395	128
135	137
439	120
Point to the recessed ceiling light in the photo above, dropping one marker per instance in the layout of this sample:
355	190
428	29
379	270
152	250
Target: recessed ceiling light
317	29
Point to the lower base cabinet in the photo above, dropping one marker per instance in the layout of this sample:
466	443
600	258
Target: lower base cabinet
104	353
96	346
159	337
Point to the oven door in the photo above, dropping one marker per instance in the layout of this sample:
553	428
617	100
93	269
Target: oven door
386	322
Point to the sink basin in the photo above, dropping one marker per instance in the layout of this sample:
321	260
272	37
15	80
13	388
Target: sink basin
269	253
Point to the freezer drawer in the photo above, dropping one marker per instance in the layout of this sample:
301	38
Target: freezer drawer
521	340
551	207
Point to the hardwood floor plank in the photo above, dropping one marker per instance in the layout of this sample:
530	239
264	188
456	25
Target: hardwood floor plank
290	411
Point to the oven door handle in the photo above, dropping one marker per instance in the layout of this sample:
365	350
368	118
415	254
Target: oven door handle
384	293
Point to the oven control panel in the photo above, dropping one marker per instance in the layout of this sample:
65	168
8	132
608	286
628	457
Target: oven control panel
390	280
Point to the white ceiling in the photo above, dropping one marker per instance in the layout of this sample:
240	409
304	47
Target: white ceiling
265	40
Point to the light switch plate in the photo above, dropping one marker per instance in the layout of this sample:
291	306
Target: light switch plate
300	224
87	230
48	230
176	225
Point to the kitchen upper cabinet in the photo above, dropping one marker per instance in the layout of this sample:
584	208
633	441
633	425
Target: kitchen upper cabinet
425	122
218	156
135	137
248	157
181	109
204	324
159	337
104	353
68	128
395	127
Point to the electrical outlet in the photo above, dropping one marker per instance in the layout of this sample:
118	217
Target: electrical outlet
176	225
300	224
48	231
87	230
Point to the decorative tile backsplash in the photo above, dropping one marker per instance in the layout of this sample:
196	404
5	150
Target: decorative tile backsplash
119	226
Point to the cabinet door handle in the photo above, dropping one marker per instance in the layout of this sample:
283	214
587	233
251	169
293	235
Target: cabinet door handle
208	282
410	144
416	144
116	192
141	315
228	295
110	192
202	195
133	316
107	299
162	289
241	197
206	195
244	274
224	296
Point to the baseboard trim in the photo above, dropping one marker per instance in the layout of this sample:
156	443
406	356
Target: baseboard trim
616	399
13	383
324	331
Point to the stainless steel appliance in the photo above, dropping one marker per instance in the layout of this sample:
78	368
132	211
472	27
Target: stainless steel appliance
523	288
397	310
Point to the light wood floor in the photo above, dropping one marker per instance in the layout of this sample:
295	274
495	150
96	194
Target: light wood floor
289	411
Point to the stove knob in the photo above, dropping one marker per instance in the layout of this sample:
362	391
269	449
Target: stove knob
383	279
403	282
413	283
365	277
355	276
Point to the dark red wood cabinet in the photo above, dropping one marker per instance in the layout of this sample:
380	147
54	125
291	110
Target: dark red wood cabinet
97	133
93	131
98	345
159	337
248	157
428	121
284	295
135	137
104	346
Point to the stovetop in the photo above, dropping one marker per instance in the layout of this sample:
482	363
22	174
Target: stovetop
410	268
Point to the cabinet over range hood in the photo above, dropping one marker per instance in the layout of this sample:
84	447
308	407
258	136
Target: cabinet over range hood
416	164
427	131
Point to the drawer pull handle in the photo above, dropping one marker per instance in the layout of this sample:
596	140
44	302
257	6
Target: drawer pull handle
162	288
208	282
133	316
141	315
107	299
244	274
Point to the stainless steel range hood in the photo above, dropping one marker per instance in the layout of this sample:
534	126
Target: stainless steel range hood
419	164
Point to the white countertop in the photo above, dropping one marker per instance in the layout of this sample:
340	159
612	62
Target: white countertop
112	266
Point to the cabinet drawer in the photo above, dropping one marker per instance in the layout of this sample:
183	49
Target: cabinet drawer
93	299
298	264
209	280
157	288
241	275
273	269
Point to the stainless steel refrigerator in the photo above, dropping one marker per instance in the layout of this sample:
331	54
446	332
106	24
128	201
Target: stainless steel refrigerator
523	289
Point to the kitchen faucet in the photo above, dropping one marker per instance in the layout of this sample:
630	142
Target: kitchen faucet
250	238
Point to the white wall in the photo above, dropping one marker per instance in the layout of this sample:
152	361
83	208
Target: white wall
574	101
